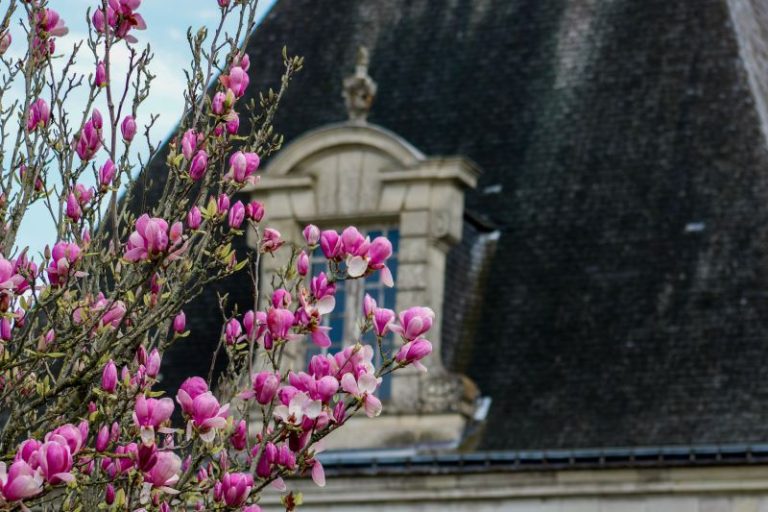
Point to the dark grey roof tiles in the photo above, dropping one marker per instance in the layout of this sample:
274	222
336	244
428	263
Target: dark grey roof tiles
624	303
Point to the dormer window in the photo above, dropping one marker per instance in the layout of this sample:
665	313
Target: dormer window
363	175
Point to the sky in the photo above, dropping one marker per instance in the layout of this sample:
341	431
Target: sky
167	22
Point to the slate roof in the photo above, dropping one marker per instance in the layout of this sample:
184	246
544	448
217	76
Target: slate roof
621	217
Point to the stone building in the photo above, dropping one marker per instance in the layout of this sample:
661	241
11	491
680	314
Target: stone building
579	189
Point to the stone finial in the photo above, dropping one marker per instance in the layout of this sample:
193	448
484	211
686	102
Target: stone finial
359	89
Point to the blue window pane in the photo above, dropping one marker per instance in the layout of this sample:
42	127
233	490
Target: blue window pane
394	238
389	299
392	264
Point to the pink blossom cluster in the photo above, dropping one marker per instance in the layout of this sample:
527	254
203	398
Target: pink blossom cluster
38	463
121	17
152	239
361	255
46	24
89	140
83	330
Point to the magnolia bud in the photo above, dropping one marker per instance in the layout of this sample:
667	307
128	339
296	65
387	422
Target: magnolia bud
109	495
101	75
194	218
302	264
128	128
153	363
109	377
311	234
102	439
180	322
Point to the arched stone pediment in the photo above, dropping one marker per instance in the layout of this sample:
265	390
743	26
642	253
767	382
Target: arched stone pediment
346	137
351	170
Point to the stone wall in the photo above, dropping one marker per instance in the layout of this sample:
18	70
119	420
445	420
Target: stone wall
717	489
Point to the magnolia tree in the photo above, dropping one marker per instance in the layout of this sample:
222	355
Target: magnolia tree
84	324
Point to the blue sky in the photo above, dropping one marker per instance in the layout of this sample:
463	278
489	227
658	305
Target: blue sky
167	22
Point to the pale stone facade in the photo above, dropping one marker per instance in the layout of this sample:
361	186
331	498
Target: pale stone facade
710	489
361	174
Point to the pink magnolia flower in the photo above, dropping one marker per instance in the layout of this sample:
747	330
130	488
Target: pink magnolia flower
180	322
268	457
153	363
271	241
286	458
194	218
263	387
55	462
255	324
364	256
242	60
330	244
208	416
98	121
254	211
235	488
302	264
19	481
128	128
353	243
64	256
74	437
189	143
369	306
165	472
218	104
383	319
198	165
236	215
100	79
233	123
109	377
189	390
414	322
378	253
49	21
233	331
73	210
107	174
363	388
222	204
279	323
311	234
239	436
149	414
109	494
281	298
102	438
120	18
242	166
89	140
39	115
237	80
324	291
320	366
150	239
28	452
300	406
5	42
9	277
413	352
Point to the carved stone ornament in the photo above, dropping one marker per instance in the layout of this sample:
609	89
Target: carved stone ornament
359	89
